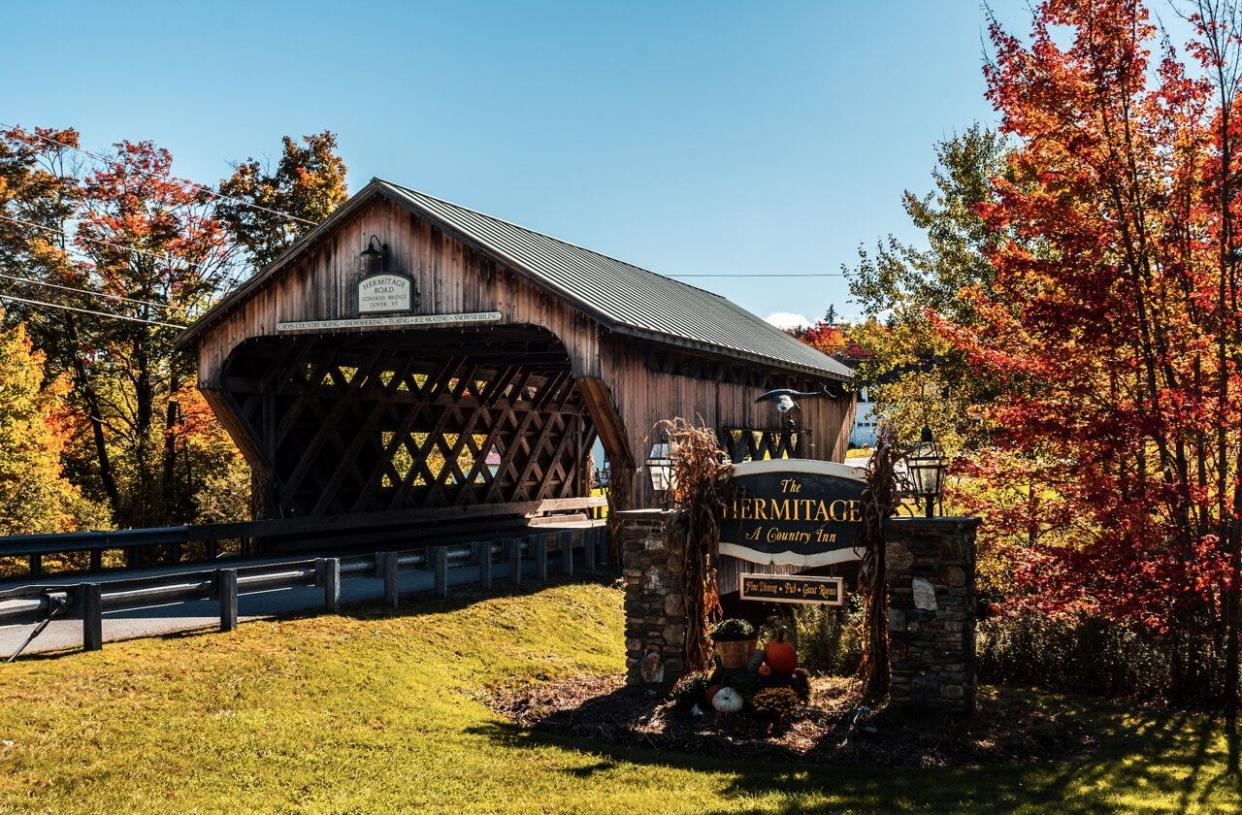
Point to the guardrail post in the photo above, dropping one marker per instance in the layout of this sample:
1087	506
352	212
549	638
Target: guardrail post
390	565
90	596
515	562
332	585
96	560
441	564
36	565
541	558
588	549
227	590
174	553
483	556
603	544
213	549
567	552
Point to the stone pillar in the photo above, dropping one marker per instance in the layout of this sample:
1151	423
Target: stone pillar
652	555
931	612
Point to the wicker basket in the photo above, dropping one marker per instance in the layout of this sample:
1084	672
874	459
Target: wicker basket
735	654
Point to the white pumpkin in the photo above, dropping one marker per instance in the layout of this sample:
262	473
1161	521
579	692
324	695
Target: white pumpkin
727	700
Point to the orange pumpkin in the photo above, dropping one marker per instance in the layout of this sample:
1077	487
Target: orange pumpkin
765	669
781	656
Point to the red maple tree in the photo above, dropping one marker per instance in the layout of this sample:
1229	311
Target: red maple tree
1112	329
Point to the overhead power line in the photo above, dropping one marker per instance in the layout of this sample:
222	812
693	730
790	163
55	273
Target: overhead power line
194	184
818	274
89	311
118	246
103	294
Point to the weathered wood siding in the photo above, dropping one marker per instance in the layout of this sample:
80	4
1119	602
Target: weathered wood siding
452	277
645	396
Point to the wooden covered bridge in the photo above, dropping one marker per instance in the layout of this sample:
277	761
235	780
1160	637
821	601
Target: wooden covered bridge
413	356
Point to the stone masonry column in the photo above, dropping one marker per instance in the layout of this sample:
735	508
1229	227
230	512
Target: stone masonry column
652	556
931	606
931	612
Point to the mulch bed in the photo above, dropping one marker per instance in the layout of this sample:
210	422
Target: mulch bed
834	728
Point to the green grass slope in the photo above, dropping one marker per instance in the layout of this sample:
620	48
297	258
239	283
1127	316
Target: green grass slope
382	714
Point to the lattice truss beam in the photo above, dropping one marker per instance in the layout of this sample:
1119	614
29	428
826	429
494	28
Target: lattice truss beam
749	444
410	422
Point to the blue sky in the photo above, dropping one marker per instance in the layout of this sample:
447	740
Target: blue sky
690	138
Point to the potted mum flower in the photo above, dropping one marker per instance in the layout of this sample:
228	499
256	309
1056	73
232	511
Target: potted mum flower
735	642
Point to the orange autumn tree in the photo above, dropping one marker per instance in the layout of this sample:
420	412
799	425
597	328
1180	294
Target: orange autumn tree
1112	332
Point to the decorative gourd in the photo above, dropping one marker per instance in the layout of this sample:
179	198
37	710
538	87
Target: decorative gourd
727	700
765	670
781	656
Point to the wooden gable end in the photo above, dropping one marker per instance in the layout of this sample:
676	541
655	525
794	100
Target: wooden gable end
451	277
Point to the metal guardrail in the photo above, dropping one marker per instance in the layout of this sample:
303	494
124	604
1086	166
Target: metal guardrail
173	539
89	601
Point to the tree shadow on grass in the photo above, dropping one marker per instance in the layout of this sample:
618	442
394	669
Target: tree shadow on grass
421	602
1145	759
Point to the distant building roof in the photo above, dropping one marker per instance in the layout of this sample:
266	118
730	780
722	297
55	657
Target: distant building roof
621	296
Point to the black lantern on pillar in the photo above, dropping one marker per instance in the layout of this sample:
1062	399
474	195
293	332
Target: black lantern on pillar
373	254
926	466
659	465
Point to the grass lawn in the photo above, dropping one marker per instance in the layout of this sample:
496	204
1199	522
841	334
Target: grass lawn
375	713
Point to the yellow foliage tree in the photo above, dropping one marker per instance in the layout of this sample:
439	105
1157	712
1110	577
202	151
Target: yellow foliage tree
34	429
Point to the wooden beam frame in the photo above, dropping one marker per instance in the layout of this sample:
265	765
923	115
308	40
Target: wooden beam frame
388	429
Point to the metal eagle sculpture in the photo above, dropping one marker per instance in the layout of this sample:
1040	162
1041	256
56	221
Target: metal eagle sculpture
784	399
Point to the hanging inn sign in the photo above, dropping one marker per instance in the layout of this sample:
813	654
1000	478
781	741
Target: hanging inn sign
793	512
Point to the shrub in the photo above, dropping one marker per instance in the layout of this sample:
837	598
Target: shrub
776	704
1074	654
733	629
829	638
690	690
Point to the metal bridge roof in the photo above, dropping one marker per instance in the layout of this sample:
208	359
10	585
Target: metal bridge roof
622	296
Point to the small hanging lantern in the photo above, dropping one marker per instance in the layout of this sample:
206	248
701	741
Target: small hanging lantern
374	252
659	465
926	466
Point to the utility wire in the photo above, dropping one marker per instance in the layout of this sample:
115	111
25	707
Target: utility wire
822	274
211	278
118	246
89	311
87	291
195	185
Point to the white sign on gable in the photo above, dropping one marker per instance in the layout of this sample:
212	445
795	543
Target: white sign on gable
384	294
